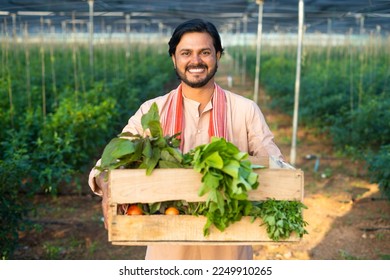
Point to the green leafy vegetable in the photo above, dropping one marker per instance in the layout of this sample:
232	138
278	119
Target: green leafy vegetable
227	176
148	152
281	217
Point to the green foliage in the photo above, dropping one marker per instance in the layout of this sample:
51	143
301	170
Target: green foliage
366	128
281	218
82	112
67	132
14	191
379	169
344	90
277	76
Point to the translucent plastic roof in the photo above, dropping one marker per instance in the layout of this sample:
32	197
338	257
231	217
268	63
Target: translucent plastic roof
339	16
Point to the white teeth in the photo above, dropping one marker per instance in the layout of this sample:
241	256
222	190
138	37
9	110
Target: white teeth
195	70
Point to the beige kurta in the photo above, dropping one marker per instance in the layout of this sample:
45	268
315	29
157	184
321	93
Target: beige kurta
247	129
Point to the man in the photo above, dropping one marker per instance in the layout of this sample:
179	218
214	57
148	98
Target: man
200	109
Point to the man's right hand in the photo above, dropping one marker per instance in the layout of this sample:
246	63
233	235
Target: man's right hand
102	182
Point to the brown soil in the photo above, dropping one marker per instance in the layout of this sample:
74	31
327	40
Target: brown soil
348	218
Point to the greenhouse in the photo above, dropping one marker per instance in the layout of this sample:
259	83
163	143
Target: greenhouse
73	72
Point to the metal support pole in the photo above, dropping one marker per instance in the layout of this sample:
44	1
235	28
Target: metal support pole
293	153
237	52
42	51
13	27
90	3
362	25
127	20
258	44
245	31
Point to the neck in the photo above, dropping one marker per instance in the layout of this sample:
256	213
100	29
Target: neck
201	95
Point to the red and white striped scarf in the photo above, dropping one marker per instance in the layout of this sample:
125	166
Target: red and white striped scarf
172	119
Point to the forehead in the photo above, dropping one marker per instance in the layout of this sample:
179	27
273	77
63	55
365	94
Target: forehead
195	40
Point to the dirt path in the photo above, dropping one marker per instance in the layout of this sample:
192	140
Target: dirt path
347	217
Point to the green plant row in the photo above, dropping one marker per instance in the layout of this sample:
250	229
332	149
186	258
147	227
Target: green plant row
50	151
344	91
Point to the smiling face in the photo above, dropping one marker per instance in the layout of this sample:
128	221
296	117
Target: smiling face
195	59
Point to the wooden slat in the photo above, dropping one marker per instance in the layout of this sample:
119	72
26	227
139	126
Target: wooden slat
198	243
260	160
133	186
145	230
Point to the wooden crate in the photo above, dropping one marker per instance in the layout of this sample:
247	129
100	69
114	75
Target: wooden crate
133	186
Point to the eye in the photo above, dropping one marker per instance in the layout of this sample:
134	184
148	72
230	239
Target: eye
206	52
185	53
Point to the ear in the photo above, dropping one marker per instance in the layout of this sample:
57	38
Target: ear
174	60
218	55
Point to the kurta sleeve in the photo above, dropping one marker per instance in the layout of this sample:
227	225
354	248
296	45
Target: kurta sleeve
260	138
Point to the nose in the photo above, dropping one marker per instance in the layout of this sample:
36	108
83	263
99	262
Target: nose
195	59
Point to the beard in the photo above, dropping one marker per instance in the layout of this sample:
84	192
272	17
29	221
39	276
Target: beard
200	82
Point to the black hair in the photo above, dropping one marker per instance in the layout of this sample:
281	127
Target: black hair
195	25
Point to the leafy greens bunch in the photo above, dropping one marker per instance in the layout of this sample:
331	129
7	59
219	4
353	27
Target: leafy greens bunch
227	176
130	150
281	217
